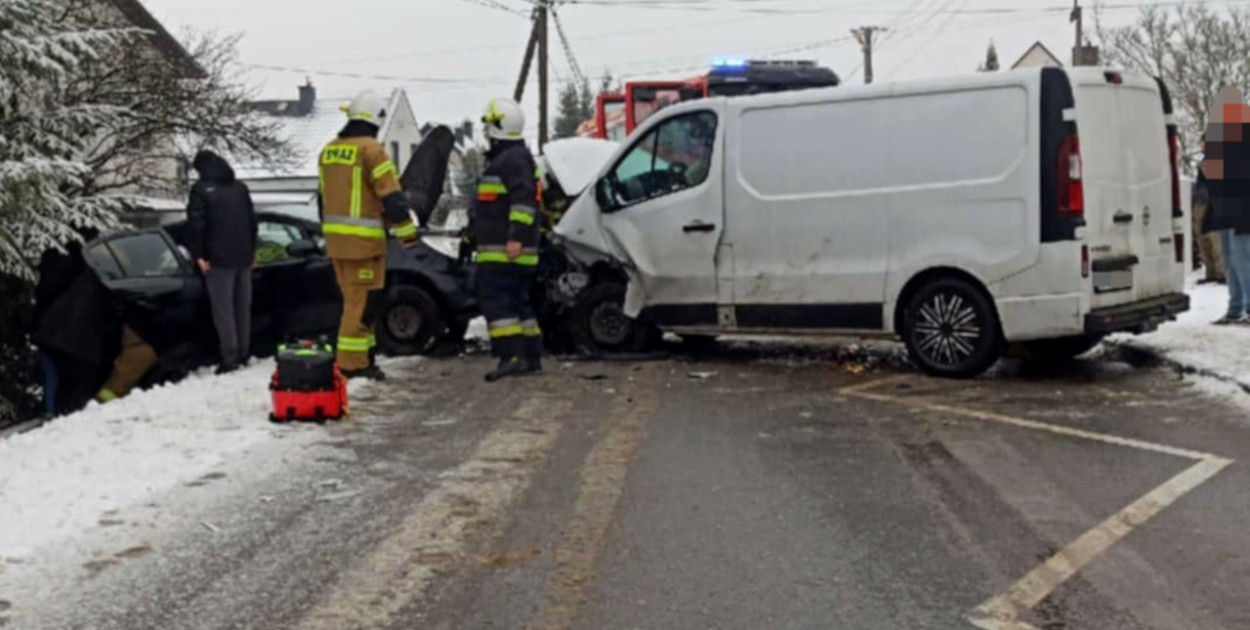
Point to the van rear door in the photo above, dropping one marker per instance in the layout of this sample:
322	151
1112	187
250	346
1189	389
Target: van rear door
1127	181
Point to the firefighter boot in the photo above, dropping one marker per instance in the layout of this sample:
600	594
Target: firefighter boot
372	373
512	366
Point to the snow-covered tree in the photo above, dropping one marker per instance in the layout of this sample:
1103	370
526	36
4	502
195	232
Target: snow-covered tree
45	132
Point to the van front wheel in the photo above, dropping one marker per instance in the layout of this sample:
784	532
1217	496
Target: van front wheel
951	329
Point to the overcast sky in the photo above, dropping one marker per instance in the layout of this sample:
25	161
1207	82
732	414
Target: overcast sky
452	55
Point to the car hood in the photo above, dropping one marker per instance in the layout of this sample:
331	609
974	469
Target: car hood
576	162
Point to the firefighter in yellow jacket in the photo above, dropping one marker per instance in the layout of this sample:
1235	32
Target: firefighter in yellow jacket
360	199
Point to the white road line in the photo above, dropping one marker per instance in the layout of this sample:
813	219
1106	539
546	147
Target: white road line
1043	580
1002	611
470	501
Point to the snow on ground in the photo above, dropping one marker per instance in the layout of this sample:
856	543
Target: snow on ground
1192	340
58	480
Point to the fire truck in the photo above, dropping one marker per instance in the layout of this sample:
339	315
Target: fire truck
617	115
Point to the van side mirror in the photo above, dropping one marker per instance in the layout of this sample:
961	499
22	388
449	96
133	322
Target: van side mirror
303	248
603	195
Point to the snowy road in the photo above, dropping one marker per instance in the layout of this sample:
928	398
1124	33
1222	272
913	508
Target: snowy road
762	487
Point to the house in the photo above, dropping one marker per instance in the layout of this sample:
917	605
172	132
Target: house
1037	56
308	123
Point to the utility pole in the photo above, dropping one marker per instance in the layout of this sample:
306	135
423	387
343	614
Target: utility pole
863	35
537	43
519	93
543	86
1082	55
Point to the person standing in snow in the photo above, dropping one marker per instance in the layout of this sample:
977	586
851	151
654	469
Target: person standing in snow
1226	168
222	233
1207	242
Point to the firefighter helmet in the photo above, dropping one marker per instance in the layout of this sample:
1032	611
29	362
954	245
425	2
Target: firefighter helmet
367	107
504	119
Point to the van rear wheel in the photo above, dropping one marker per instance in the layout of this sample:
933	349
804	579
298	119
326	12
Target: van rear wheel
951	329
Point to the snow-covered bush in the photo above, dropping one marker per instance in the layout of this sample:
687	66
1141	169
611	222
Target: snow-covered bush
45	132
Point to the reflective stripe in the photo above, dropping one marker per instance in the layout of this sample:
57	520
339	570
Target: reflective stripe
507	331
106	395
353	221
531	328
364	274
405	231
353	344
524	218
501	248
384	168
525	260
373	341
354	230
357	177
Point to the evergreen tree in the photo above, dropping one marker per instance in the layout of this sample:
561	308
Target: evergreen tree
991	60
45	132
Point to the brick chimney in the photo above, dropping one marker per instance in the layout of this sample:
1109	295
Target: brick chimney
307	98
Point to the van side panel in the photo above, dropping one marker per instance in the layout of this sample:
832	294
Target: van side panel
803	208
977	213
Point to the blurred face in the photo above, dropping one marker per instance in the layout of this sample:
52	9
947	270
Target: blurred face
1226	131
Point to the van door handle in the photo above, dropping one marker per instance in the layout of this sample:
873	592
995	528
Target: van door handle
698	226
1122	217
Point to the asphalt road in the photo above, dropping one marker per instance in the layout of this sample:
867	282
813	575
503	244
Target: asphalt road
763	487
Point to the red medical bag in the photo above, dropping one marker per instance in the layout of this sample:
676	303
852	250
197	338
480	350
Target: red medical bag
307	384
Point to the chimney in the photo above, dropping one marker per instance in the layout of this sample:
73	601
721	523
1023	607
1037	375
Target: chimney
307	98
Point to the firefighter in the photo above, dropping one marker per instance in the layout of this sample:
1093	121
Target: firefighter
505	229
360	197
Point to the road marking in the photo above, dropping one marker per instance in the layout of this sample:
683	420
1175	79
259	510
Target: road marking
471	498
1003	611
599	493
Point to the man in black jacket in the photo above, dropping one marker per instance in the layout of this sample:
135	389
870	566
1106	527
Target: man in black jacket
222	238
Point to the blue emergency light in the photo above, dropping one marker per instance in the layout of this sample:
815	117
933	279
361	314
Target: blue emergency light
730	64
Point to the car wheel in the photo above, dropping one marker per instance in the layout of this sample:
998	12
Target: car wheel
951	329
599	324
409	323
1061	349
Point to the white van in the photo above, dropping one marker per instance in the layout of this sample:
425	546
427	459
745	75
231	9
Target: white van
960	214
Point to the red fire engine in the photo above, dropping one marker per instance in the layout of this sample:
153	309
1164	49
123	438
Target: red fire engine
617	115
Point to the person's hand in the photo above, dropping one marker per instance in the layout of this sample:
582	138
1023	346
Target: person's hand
514	250
204	265
411	243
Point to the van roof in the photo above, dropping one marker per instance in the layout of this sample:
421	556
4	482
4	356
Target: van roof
1022	76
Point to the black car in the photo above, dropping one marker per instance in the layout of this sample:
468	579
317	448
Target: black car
294	291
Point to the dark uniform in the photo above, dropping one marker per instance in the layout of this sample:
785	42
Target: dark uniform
507	210
360	198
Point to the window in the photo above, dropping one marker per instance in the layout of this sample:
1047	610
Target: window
674	156
145	255
101	259
272	240
395	152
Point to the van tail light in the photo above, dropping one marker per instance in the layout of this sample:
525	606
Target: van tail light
1085	261
1174	152
1179	241
1071	190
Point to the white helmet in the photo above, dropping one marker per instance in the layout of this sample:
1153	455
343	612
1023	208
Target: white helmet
504	119
367	107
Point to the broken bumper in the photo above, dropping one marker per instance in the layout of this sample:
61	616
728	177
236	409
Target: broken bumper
1137	317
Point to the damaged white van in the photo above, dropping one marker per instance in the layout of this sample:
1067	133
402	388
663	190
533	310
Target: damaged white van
961	214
